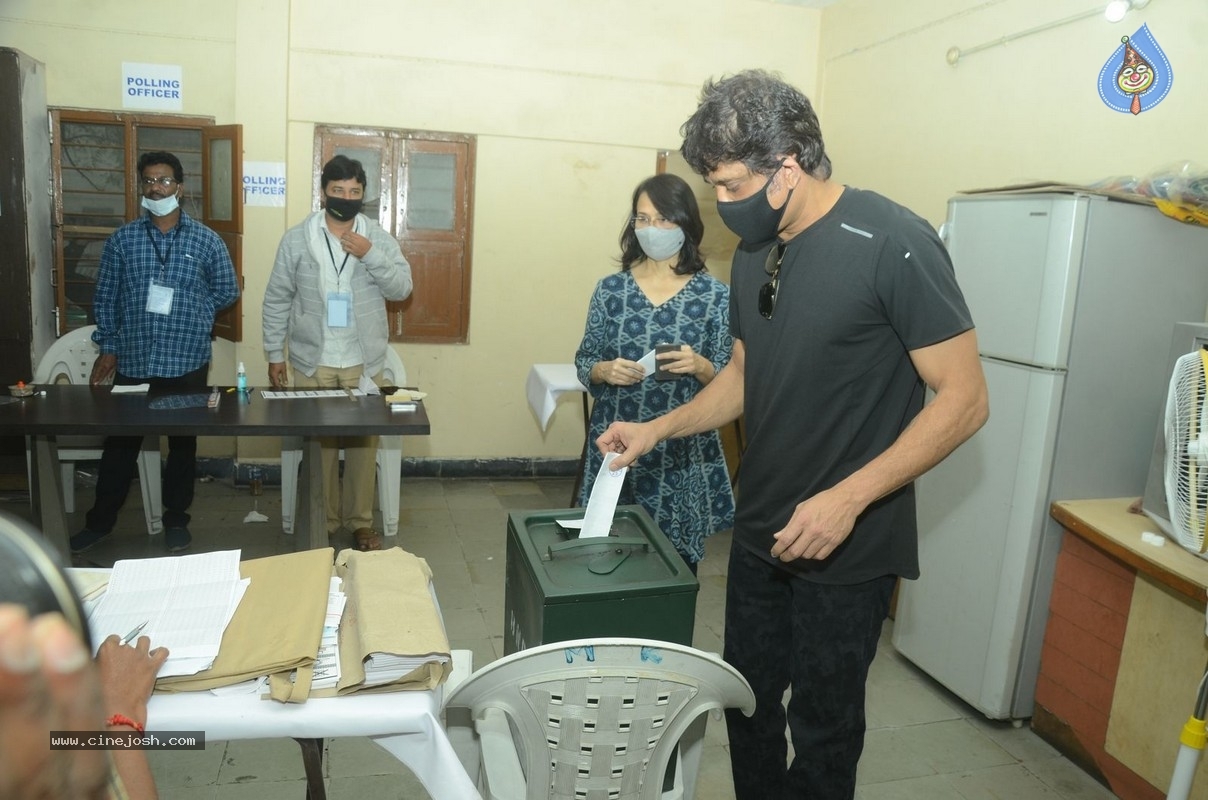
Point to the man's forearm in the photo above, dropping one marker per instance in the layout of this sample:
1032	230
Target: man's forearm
718	403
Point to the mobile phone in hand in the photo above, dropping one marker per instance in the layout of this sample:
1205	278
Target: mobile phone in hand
662	371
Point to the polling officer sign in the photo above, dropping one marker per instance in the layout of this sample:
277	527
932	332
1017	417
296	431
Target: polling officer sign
157	86
264	183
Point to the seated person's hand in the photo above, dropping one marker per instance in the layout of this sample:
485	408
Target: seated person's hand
47	683
128	676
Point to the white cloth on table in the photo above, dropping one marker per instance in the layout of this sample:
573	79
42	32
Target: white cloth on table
406	724
545	383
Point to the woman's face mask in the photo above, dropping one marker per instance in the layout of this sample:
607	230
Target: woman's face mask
660	244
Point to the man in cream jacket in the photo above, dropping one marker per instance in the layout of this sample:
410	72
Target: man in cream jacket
325	304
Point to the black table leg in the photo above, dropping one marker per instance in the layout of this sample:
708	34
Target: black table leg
574	493
312	760
46	493
310	515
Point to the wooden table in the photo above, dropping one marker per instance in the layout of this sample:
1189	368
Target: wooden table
65	410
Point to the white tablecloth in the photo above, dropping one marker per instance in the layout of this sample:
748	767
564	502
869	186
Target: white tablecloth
405	724
545	383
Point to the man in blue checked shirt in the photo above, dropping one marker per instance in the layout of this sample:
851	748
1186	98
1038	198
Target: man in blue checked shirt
163	278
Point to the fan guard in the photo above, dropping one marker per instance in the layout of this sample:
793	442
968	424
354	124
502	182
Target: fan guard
1186	431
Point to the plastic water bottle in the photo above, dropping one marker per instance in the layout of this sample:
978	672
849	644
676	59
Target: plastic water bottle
241	378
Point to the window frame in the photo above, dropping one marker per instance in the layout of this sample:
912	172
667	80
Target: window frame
228	323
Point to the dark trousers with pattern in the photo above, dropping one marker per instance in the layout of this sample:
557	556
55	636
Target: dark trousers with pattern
119	460
785	631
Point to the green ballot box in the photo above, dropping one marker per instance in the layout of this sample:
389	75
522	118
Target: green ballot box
560	586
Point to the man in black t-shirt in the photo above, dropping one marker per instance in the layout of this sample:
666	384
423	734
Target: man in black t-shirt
844	308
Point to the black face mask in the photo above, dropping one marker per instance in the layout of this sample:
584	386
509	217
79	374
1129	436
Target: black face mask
753	218
343	208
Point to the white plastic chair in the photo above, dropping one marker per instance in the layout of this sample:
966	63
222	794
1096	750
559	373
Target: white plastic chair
70	360
591	718
389	463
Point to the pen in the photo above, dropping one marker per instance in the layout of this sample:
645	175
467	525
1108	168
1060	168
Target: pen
126	639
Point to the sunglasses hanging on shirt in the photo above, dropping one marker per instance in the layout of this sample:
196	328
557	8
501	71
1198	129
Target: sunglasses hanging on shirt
767	292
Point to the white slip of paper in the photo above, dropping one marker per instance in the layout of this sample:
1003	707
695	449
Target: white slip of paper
602	504
649	363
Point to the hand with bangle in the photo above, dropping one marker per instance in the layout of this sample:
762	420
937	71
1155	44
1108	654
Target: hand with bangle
127	678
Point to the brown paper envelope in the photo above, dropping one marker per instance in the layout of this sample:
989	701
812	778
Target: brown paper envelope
277	626
292	686
389	610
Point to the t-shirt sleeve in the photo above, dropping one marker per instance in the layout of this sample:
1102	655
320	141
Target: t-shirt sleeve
917	283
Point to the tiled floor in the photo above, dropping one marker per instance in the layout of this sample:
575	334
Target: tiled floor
922	742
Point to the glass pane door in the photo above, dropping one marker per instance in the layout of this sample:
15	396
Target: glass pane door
432	191
93	175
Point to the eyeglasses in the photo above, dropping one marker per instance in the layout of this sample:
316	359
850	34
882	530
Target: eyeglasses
643	221
165	182
767	292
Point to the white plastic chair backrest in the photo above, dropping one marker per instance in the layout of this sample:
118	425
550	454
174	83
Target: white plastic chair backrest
633	697
69	359
394	373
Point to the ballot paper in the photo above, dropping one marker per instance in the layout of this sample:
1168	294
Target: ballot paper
649	363
366	385
327	663
602	505
309	394
135	388
185	601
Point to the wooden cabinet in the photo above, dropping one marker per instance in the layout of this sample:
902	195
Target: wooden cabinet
27	299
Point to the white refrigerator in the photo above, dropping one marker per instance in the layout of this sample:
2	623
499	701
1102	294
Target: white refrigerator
1074	298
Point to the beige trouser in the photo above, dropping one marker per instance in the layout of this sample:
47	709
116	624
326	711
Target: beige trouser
360	457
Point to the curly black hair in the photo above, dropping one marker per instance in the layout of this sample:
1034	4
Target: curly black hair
755	118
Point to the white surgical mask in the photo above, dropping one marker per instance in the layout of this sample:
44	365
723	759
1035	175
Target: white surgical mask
659	244
162	207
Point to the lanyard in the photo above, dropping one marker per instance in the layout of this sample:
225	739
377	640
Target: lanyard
163	257
340	269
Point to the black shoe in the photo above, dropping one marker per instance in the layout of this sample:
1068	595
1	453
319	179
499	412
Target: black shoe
85	539
177	539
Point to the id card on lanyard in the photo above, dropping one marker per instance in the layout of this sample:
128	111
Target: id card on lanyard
159	293
339	304
159	298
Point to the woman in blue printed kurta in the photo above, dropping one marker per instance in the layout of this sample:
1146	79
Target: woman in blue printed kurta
662	295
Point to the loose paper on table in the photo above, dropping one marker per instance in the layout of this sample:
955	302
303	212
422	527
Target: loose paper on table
186	601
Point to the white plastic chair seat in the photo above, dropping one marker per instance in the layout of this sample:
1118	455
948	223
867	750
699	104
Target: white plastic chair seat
70	360
389	463
591	718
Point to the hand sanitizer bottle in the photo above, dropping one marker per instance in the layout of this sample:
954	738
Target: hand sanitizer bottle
241	378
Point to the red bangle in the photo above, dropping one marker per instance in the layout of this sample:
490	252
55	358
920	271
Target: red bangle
122	719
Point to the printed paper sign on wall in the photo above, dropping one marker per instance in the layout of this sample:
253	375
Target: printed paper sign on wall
157	86
264	183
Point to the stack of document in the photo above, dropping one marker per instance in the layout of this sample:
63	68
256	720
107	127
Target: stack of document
392	636
384	668
183	603
327	663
